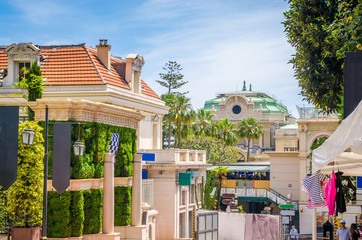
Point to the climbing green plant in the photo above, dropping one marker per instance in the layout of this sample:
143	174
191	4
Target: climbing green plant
59	217
25	196
31	81
122	206
77	213
93	208
207	199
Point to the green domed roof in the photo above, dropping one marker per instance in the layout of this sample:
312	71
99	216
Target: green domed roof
268	104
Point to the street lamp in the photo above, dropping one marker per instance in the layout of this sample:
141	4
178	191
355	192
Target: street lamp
28	136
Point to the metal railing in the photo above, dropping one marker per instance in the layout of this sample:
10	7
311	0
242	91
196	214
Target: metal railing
147	191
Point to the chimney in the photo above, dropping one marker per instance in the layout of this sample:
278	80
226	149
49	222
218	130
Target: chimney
103	53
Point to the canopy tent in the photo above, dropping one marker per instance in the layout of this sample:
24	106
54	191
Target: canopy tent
343	150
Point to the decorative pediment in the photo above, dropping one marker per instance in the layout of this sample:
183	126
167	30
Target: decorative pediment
137	60
22	52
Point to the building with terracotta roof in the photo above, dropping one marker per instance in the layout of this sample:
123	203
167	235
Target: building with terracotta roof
81	72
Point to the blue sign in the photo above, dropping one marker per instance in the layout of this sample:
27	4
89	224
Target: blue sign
359	182
148	156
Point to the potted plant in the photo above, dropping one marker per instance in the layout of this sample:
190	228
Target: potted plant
25	197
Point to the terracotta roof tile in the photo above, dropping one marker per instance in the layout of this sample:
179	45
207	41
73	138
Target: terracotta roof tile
68	66
78	65
148	91
3	60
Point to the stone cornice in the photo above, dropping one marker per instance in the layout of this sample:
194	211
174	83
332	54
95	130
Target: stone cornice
88	111
317	120
93	183
108	94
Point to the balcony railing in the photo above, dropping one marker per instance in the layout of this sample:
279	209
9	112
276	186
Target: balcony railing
147	191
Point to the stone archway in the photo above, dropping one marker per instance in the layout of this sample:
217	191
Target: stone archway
315	136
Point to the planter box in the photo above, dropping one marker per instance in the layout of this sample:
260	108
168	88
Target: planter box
32	233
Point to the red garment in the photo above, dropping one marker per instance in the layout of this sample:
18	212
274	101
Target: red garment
331	192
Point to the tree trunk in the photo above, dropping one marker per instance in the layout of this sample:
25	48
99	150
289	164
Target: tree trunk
179	135
247	156
219	193
169	135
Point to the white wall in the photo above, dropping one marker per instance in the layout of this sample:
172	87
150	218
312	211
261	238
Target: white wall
145	133
305	217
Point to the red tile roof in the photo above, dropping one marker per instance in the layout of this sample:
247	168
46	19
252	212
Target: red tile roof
78	65
3	60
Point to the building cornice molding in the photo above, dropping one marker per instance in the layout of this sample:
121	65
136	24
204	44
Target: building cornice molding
88	111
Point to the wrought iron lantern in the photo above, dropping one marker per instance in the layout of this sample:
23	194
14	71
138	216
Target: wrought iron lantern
78	146
28	136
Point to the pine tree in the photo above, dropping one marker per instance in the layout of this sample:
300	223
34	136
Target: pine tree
173	79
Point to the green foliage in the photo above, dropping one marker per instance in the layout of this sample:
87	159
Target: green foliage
77	213
96	137
250	128
173	79
321	31
225	129
32	82
59	216
219	173
316	144
241	209
93	206
208	201
216	150
3	211
25	196
122	206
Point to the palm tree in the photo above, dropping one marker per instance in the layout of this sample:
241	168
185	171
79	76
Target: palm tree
219	172
226	131
181	109
250	128
203	125
170	101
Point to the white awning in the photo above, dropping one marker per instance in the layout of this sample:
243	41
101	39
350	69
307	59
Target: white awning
333	150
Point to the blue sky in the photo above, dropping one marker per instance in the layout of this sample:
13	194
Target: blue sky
219	43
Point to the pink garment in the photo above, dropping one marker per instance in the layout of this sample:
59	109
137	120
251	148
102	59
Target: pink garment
331	192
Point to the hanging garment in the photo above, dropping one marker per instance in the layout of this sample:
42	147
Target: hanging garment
330	192
313	183
312	205
340	202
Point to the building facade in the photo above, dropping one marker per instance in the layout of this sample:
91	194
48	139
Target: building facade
177	175
239	105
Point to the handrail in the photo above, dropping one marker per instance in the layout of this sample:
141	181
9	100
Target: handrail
299	235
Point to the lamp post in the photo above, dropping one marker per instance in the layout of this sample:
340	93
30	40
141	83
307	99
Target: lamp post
27	138
45	195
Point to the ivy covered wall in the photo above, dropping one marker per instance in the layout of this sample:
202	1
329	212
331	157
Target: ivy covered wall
96	138
75	213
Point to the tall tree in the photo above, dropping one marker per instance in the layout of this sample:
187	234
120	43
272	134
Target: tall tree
226	131
203	124
170	101
250	128
181	109
172	79
321	31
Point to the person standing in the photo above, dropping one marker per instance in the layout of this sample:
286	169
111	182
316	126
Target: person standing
355	232
343	233
293	233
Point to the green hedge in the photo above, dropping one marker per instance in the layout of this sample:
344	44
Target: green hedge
122	206
59	217
93	206
77	213
96	138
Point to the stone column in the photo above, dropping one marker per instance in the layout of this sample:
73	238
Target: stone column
108	194
137	190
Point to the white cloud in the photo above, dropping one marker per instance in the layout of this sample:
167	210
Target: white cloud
219	52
